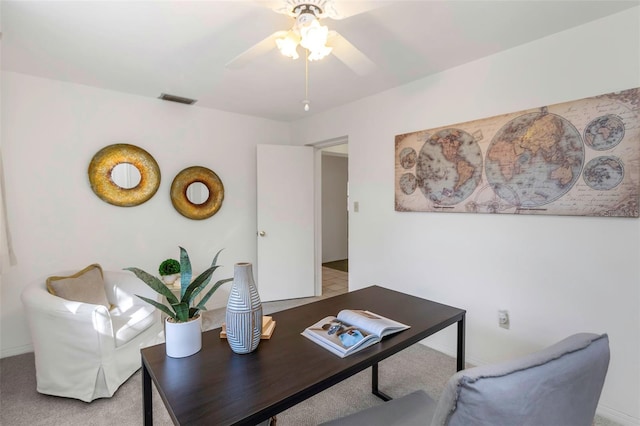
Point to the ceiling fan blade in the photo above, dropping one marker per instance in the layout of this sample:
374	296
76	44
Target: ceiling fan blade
279	6
255	51
345	9
348	54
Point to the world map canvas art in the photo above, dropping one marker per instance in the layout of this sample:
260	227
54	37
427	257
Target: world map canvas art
575	158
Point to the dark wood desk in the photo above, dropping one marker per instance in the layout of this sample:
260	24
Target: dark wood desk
217	386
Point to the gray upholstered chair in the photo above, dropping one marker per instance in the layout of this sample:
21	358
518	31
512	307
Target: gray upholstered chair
557	386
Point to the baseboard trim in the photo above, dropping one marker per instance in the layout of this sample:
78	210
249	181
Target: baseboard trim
453	353
16	350
617	416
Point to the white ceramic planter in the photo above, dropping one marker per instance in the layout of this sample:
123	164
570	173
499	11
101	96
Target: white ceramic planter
183	338
170	279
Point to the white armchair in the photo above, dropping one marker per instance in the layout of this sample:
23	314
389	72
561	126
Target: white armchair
86	351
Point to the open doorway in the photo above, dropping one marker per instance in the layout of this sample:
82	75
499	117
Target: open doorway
335	220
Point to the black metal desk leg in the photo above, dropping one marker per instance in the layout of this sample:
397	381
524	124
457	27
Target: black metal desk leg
147	407
374	384
460	355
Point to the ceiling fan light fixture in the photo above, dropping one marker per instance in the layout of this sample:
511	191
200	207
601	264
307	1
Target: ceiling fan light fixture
314	36
289	44
306	9
306	32
316	55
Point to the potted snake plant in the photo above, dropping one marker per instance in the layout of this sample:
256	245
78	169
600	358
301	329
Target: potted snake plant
183	333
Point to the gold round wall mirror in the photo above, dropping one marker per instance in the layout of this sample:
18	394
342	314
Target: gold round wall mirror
197	193
124	175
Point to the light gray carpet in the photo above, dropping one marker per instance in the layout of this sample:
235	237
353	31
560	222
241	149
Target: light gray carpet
417	367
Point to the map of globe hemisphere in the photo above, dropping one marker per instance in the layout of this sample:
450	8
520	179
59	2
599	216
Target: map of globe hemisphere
449	167
534	159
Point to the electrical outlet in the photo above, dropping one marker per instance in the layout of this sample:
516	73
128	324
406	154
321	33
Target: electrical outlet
503	318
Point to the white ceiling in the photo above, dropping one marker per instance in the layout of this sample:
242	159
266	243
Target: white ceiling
181	47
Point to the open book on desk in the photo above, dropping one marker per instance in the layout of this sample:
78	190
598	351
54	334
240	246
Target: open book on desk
351	331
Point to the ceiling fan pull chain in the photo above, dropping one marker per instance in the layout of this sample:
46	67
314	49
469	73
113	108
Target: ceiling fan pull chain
306	81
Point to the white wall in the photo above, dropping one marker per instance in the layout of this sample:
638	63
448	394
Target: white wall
334	208
556	275
50	132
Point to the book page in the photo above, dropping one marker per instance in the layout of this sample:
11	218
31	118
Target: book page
339	335
371	322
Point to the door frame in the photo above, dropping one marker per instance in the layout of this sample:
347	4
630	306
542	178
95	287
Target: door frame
317	182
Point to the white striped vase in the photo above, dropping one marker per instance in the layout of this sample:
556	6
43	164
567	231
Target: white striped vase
243	320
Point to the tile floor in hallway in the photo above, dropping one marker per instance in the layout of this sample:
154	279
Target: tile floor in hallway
334	282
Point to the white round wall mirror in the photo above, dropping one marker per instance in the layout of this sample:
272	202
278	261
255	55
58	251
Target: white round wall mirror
197	193
126	175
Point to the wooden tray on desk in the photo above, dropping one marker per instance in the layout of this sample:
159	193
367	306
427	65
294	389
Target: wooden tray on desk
268	325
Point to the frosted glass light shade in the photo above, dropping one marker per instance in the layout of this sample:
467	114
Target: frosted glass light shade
314	36
288	45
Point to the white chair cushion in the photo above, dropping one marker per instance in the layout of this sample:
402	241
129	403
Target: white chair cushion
130	323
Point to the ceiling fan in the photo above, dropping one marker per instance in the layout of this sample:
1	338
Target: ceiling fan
315	39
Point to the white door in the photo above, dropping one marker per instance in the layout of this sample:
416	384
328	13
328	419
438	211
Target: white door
286	211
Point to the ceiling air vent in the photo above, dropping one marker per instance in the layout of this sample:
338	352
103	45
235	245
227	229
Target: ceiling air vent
179	99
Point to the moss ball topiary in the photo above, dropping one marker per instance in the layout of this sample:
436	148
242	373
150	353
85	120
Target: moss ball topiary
169	267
